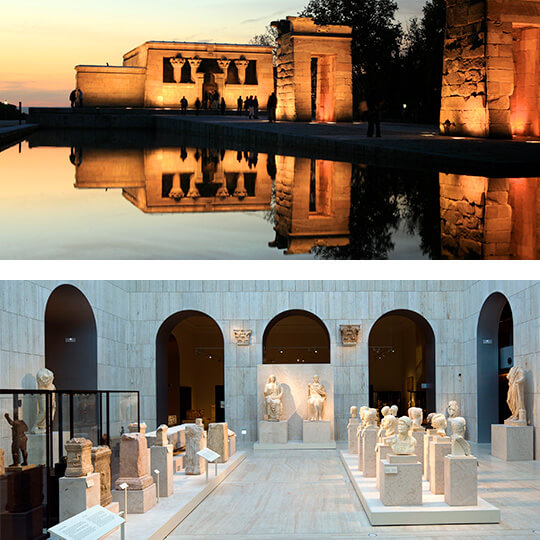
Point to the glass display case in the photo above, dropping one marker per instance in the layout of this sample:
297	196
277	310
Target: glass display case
34	427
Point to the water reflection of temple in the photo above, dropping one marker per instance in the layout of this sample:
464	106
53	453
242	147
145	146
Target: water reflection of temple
489	218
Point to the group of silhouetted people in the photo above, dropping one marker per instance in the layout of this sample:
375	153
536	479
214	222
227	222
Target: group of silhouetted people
76	98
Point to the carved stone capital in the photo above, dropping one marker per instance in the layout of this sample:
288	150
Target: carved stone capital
224	64
177	65
194	63
350	334
241	336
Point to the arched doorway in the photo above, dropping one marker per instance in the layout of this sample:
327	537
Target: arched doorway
190	369
402	362
210	87
71	340
494	358
296	337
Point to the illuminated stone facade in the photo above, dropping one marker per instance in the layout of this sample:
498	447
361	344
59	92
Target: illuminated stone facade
161	73
491	68
303	49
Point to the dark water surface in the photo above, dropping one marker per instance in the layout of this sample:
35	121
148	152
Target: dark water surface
102	197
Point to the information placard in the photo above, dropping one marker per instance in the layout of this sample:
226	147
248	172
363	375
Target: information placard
91	524
208	454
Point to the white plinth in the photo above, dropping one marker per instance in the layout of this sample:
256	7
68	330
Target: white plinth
139	501
232	445
273	432
360	449
382	451
369	457
512	443
401	481
352	429
428	437
316	432
178	463
78	494
162	460
460	480
419	436
438	448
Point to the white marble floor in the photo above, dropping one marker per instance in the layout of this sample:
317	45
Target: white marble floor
306	494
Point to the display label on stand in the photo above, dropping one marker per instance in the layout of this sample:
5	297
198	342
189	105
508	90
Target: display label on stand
91	524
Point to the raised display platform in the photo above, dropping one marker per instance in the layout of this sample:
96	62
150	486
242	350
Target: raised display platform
296	445
434	511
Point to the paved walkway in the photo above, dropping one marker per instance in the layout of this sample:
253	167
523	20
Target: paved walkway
10	132
306	494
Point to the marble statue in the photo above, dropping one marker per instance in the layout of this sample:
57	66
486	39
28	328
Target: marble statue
515	398
18	441
316	399
429	418
403	443
363	410
453	409
439	423
370	419
272	400
354	411
460	447
388	424
416	414
44	379
394	410
385	410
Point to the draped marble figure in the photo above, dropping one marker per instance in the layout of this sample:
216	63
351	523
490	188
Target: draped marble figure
316	399
44	380
515	398
273	392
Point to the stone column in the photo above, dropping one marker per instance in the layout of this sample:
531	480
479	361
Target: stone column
240	189
241	66
352	429
101	460
198	78
177	64
218	440
195	441
162	460
176	192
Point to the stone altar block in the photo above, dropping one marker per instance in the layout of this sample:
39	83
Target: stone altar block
162	460
273	432
428	437
438	448
78	494
381	453
316	432
460	480
101	460
352	429
195	440
401	481
512	443
419	435
178	464
369	458
218	440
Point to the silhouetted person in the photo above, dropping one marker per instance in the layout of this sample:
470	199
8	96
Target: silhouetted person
256	107
251	108
246	104
374	118
271	106
223	106
240	105
184	104
73	98
197	106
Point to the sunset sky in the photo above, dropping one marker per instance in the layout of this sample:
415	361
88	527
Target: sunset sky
42	41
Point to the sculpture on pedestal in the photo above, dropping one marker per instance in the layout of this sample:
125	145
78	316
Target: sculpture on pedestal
460	447
515	398
316	399
44	379
363	410
388	426
453	409
79	458
18	441
403	443
416	414
353	411
370	419
394	410
272	400
439	423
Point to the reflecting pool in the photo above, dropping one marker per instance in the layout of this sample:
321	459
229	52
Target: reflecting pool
64	198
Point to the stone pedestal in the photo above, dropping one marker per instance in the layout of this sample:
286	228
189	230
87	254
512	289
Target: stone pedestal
101	460
419	434
438	448
79	458
428	437
382	451
360	447
273	432
232	443
195	441
218	440
460	480
178	464
139	501
316	432
162	460
512	443
352	429
369	463
401	481
78	494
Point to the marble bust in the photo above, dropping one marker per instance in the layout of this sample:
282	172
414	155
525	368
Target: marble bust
44	380
353	411
316	399
416	415
460	447
272	400
389	424
385	410
453	409
429	418
403	443
515	397
370	419
394	410
439	423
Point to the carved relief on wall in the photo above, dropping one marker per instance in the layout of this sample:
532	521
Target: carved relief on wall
350	334
242	337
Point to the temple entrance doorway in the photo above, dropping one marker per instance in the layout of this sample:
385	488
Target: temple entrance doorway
495	357
402	362
210	87
323	74
71	340
190	369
